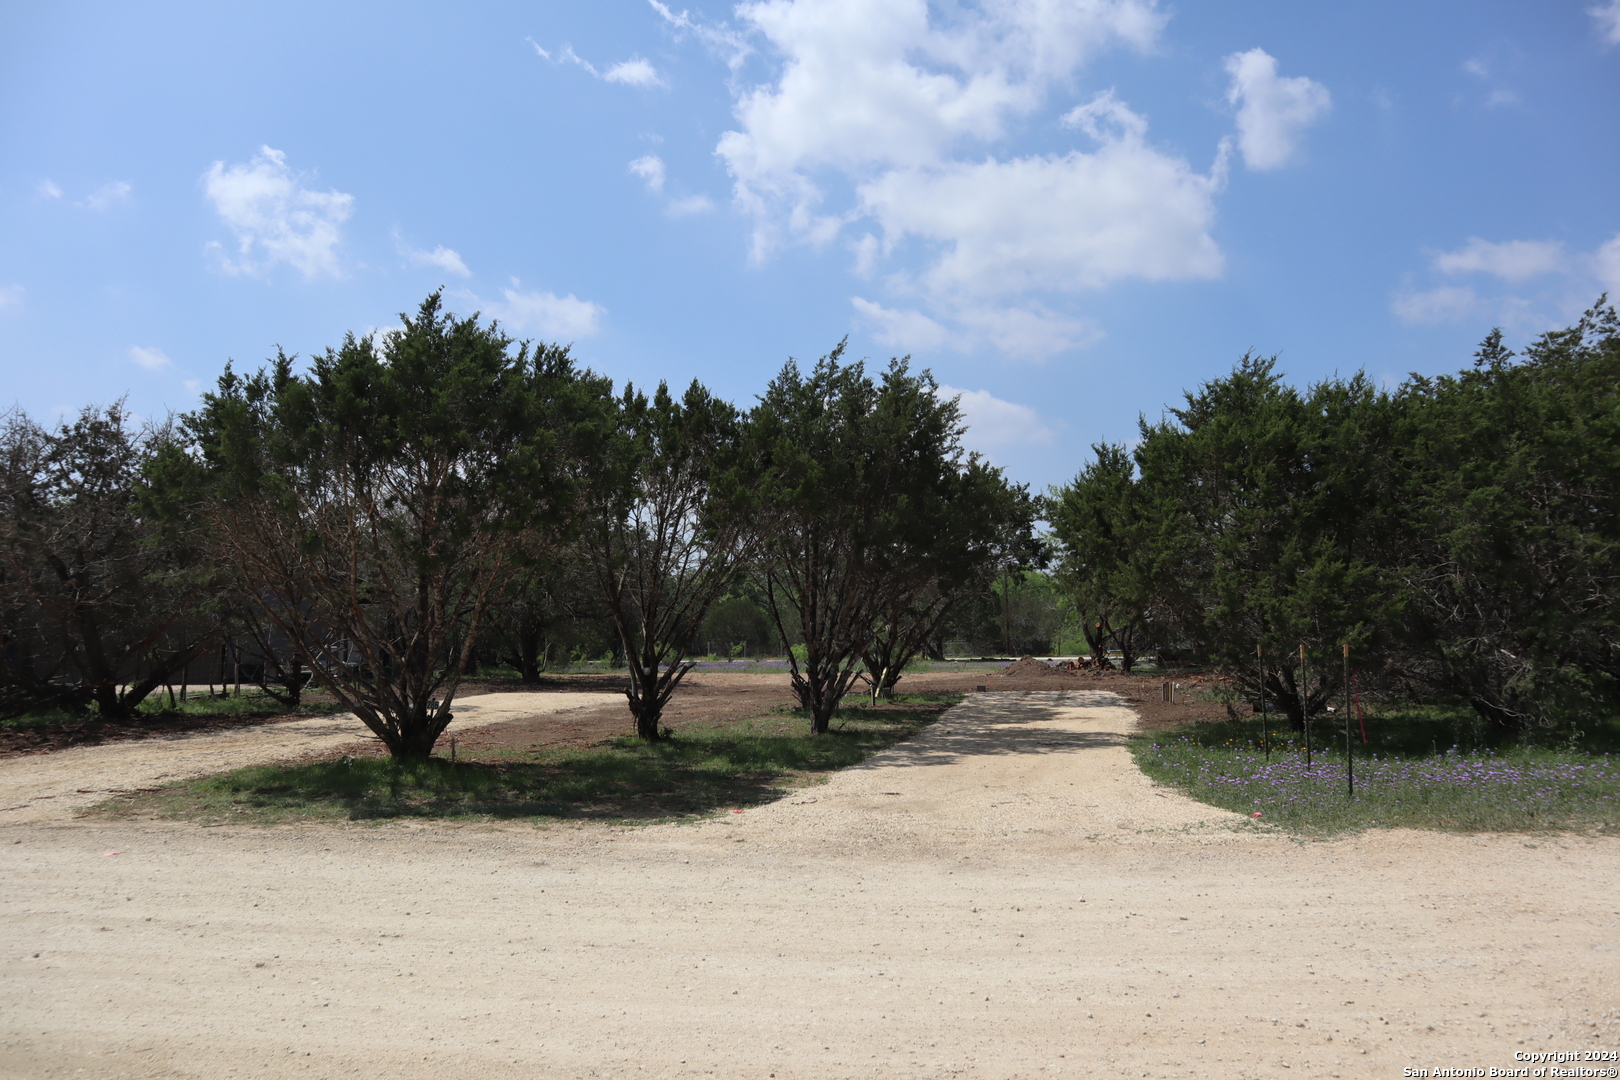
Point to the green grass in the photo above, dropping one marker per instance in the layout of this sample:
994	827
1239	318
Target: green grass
694	772
1425	768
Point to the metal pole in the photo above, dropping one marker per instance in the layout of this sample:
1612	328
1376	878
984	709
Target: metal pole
1265	733
1349	753
1305	707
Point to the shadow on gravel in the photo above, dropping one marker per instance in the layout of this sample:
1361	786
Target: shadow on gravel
1012	723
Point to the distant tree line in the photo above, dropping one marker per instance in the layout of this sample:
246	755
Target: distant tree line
1461	534
412	505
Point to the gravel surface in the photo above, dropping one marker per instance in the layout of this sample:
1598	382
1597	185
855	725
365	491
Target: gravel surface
1005	895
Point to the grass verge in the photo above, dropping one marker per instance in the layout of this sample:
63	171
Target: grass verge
697	771
1411	781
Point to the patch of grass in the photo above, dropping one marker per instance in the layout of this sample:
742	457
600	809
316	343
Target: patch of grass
694	772
1406	778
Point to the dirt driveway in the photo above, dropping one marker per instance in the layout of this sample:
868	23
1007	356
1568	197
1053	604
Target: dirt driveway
1003	896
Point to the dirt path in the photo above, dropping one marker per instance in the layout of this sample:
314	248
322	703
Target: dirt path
1003	896
52	786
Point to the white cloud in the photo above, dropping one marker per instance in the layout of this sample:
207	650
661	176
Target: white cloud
49	190
150	359
1066	222
275	218
1025	333
1448	303
1272	111
1514	260
651	170
907	330
546	313
444	258
901	101
719	37
11	296
634	72
691	204
1606	265
993	422
107	195
1607	17
864	86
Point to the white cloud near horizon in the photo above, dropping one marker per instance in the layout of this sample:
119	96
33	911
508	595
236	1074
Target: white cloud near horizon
1607	18
992	422
446	259
1030	332
1512	261
546	313
1448	303
150	359
1273	112
1606	266
275	218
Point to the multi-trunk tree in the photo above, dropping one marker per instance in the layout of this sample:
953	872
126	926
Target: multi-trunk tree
101	600
666	532
380	501
865	502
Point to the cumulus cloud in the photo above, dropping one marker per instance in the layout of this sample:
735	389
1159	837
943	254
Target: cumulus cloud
546	313
651	170
1607	19
1445	304
48	189
634	72
1068	222
1272	112
901	102
275	218
992	422
1514	260
1574	279
444	258
150	359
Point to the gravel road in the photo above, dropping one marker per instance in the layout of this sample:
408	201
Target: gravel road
1004	896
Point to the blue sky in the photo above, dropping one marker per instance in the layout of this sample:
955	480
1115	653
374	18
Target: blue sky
1069	211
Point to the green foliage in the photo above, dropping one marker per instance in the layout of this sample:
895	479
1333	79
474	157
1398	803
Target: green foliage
374	507
1461	535
100	601
866	506
666	532
693	772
